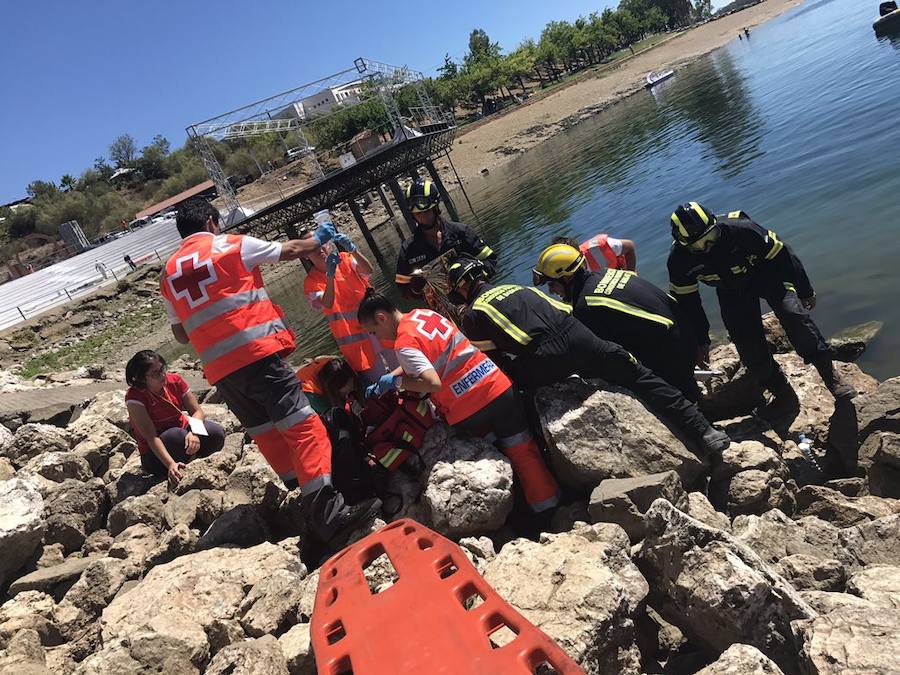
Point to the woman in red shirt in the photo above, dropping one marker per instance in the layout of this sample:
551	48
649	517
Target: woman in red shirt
155	400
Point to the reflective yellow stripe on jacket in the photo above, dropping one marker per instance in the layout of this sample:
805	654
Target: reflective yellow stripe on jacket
603	301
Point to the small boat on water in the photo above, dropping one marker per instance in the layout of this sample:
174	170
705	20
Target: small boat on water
889	19
653	78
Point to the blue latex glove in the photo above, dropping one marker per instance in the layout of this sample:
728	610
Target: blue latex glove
344	243
331	263
324	233
385	384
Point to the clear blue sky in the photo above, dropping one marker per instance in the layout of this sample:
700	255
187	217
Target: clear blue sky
77	74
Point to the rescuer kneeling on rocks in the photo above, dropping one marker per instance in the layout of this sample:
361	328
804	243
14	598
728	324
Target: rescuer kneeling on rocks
468	389
619	306
549	345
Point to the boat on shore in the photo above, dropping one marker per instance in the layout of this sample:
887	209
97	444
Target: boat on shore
652	78
888	20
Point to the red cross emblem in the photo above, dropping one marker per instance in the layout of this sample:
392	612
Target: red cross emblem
432	325
191	278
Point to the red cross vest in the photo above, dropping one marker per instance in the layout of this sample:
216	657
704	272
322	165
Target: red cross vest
350	286
470	379
599	254
222	306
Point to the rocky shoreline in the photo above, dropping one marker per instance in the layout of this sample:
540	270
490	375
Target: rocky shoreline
660	561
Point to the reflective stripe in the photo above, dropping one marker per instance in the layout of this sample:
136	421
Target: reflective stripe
737	269
241	338
546	504
789	286
341	316
599	301
556	303
684	290
295	418
402	279
486	252
484	345
223	306
681	229
695	207
776	246
709	277
456	340
350	339
457	361
316	484
502	322
734	214
253	432
390	457
515	439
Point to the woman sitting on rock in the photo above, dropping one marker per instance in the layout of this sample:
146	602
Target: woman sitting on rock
156	400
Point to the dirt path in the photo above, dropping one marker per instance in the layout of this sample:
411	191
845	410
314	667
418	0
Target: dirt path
496	141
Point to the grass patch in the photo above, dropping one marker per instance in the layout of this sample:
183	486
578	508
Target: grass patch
95	348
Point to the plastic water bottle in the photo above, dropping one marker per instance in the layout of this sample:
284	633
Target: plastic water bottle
805	448
322	217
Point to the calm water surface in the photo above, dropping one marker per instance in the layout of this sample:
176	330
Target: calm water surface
799	127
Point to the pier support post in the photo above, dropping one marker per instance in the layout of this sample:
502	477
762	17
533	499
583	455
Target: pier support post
394	187
370	240
436	177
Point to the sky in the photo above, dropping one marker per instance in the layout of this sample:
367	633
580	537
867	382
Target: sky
75	75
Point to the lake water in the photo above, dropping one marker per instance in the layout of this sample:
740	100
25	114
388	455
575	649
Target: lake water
799	126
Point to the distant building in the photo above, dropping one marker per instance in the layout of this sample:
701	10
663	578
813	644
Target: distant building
322	102
205	189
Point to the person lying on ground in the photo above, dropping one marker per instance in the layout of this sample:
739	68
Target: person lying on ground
156	401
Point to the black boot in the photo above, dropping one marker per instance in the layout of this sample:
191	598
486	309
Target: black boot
834	382
715	442
784	406
330	520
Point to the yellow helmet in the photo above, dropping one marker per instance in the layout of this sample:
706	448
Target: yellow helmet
558	261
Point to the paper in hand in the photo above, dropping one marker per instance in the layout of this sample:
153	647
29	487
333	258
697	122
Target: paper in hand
197	426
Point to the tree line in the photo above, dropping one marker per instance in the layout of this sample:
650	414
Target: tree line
483	77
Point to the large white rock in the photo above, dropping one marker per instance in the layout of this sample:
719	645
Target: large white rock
31	440
717	590
21	526
580	588
876	542
880	584
742	660
166	615
468	484
58	466
111	406
861	638
608	433
774	536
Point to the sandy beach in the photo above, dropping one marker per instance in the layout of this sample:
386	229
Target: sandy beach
494	141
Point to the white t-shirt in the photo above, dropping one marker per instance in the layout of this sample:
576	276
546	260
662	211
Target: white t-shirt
615	245
254	252
413	362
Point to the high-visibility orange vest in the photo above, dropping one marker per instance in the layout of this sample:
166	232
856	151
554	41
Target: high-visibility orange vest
470	379
309	375
357	346
599	254
223	306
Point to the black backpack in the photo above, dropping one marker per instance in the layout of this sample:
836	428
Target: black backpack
350	470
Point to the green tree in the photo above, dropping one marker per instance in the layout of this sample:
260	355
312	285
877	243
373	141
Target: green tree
481	47
449	70
702	9
123	151
161	143
41	189
654	20
521	63
67	183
